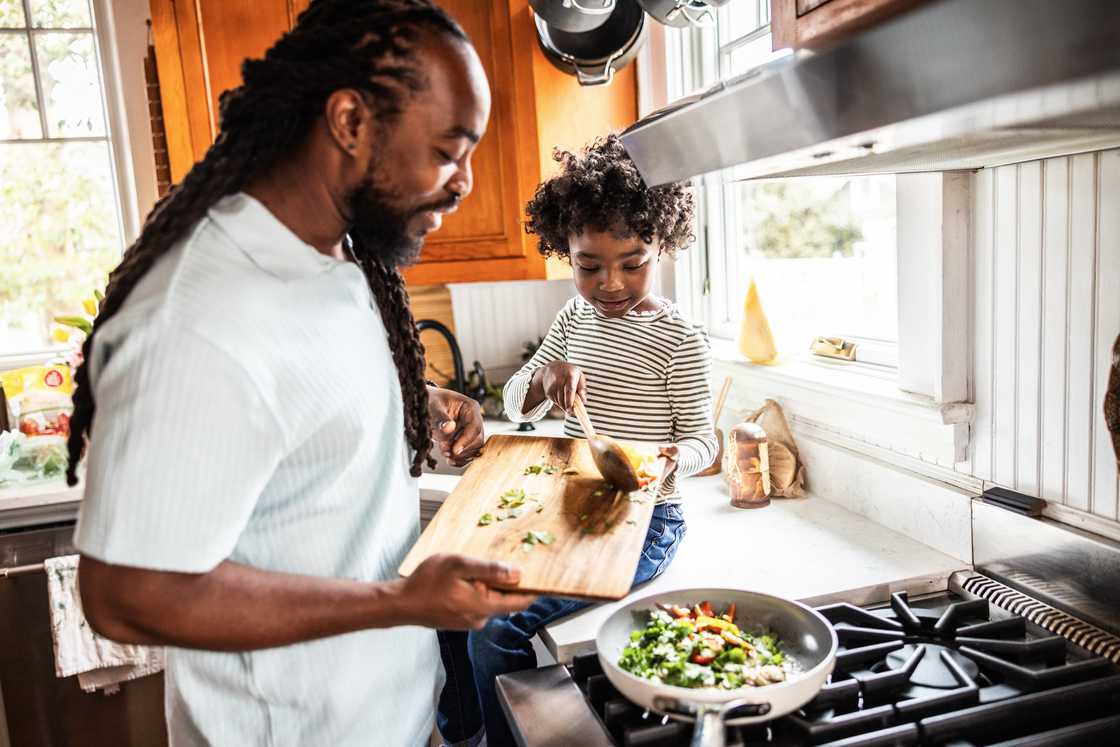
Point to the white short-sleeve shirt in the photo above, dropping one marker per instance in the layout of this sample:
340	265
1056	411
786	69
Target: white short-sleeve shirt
248	408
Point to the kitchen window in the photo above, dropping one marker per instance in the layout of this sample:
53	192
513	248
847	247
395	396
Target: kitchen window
59	173
822	250
825	253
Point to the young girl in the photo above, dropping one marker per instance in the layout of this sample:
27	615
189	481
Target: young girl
640	367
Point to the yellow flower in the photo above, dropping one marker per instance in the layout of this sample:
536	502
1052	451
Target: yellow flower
90	306
61	334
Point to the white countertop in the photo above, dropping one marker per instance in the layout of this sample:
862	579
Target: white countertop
810	549
38	503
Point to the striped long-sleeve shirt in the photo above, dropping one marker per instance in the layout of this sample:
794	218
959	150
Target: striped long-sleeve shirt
647	380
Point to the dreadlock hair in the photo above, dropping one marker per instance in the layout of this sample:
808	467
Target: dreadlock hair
359	44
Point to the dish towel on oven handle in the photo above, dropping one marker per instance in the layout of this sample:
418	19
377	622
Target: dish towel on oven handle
99	663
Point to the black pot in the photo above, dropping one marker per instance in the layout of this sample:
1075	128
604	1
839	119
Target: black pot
594	56
680	13
575	16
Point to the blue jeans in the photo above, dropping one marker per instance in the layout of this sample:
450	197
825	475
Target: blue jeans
473	660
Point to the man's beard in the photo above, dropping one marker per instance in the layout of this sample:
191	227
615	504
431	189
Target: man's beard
381	229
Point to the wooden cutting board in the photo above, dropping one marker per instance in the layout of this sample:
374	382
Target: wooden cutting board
598	538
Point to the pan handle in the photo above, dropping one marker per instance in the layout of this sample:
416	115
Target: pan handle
708	731
595	79
711	719
604	10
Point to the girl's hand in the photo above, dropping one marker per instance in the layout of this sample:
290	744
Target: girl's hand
562	383
668	456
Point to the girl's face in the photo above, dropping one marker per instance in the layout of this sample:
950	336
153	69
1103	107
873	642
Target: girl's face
615	275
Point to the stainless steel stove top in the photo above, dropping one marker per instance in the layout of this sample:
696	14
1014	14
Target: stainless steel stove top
946	669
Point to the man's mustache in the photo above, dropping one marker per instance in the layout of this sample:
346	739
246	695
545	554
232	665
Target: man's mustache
450	202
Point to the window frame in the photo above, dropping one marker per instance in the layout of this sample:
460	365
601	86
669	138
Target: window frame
120	32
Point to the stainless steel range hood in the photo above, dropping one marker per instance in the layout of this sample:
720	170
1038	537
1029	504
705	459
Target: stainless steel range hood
959	84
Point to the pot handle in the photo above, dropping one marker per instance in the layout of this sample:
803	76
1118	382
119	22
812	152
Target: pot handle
607	8
597	79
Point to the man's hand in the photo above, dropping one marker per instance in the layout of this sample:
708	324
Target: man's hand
454	592
562	383
456	425
668	455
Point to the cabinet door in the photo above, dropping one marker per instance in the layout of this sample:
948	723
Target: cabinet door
200	46
483	240
815	23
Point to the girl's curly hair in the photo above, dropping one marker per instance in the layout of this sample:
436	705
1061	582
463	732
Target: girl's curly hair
600	188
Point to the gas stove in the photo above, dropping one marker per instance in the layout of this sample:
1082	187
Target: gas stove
953	668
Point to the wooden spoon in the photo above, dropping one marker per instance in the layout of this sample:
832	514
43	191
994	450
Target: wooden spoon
609	457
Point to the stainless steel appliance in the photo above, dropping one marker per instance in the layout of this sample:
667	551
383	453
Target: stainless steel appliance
38	709
956	84
1023	651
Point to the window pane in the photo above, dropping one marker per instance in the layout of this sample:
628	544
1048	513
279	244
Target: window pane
71	86
19	112
742	17
59	204
823	252
752	54
61	14
11	13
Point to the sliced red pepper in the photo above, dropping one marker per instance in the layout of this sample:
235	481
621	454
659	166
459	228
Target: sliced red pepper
731	612
697	658
707	609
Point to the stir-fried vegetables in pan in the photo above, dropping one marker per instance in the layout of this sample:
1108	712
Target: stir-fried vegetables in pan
698	648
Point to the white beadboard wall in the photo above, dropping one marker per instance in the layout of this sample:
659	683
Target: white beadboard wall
493	321
1046	293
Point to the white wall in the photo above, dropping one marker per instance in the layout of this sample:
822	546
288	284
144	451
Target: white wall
493	321
1046	311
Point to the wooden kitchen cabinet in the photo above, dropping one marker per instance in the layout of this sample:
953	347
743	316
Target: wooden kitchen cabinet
200	45
818	23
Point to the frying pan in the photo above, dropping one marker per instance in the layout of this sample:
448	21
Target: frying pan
595	56
806	638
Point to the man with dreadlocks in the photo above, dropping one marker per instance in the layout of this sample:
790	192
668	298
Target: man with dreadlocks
261	411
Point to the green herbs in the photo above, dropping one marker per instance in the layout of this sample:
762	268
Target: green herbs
690	649
541	469
512	498
536	538
511	505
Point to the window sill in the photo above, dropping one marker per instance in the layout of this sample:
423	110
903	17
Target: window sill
12	361
853	405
